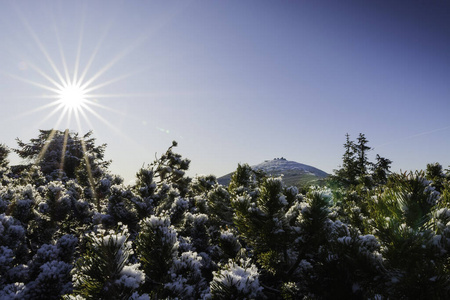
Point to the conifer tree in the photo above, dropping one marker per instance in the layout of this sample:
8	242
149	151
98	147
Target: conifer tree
187	281
244	179
145	188
120	208
171	168
332	259
14	251
236	280
171	185
104	270
349	164
346	175
381	170
435	173
402	218
49	270
361	152
4	151
219	206
357	169
63	151
156	248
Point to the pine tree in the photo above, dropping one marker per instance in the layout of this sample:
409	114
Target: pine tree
402	221
4	152
145	188
348	160
346	175
156	248
357	169
14	251
187	281
171	168
331	259
219	206
361	153
244	179
435	173
172	185
262	217
49	270
104	270
120	209
381	170
57	151
236	280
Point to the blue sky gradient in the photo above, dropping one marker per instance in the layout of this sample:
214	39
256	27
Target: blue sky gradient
237	81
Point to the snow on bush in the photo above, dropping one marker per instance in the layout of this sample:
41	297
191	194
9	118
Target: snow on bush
136	296
162	225
186	275
53	279
11	233
12	291
131	276
228	239
240	277
105	268
66	246
6	257
119	240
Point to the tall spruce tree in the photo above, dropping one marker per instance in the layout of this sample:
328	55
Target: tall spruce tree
346	175
361	153
349	164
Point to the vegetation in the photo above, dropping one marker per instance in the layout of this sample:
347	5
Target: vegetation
70	229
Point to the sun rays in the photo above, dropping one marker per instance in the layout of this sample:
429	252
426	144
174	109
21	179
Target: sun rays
71	78
72	85
72	74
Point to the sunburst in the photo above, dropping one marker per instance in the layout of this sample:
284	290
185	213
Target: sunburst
70	91
72	96
74	81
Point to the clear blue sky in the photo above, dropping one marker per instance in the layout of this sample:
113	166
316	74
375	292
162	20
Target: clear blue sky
235	81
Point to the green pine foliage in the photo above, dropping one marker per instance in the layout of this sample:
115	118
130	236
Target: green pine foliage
70	229
157	247
404	216
104	269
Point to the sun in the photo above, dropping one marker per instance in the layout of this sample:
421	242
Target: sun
72	96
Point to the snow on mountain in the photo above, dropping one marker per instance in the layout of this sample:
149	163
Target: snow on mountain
293	173
279	165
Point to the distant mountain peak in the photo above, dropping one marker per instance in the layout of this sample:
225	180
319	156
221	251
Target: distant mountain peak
293	173
279	165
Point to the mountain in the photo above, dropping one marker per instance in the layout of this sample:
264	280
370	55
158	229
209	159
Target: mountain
293	173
